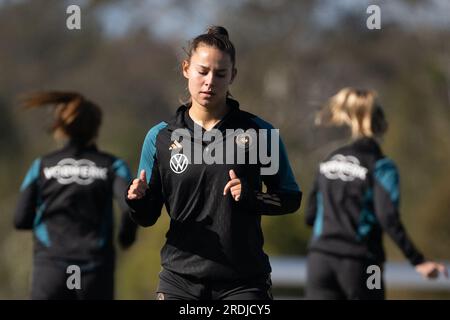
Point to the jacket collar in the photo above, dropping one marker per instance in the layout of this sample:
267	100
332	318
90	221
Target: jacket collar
73	145
367	144
180	121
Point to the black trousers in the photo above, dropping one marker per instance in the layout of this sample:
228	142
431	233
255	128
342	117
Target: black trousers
173	286
331	277
50	277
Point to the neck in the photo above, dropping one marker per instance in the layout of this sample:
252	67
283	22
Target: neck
207	117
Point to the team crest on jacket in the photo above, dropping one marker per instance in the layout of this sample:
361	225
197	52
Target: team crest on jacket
178	163
244	140
345	168
175	145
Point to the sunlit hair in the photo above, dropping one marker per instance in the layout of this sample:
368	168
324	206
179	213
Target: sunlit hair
216	37
357	109
75	117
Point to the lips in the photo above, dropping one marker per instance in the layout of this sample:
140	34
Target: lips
208	93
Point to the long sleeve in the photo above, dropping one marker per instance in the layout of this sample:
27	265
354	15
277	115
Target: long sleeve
146	211
28	199
283	195
311	208
386	205
128	228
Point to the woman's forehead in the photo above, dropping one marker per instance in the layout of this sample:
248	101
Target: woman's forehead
207	56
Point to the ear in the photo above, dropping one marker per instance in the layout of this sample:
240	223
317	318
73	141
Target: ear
233	75
185	68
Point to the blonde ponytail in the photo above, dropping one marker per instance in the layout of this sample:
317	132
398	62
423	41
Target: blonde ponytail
354	108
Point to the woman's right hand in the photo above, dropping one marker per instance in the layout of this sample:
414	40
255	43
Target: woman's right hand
138	187
431	269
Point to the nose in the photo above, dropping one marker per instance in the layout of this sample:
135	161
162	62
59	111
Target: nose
209	80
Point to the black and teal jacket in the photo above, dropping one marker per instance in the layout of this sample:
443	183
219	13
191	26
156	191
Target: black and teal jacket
66	198
354	200
211	236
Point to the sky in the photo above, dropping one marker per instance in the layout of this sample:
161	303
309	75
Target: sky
179	19
164	19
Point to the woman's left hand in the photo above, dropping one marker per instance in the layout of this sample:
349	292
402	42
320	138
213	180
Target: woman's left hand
234	186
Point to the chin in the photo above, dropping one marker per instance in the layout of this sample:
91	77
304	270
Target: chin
205	102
